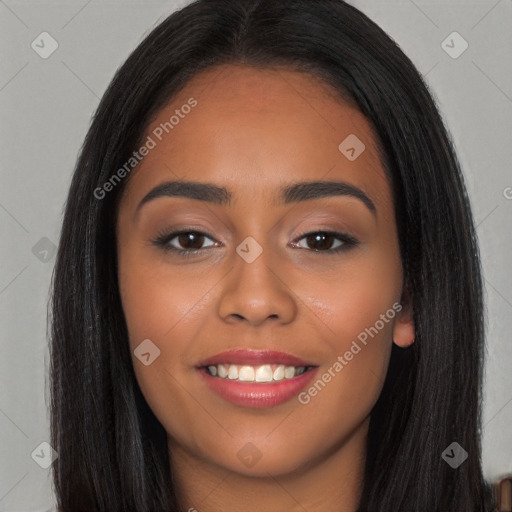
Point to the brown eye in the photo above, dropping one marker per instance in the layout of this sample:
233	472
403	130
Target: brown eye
320	241
190	240
327	241
183	241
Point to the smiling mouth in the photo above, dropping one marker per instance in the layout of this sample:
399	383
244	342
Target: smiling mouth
256	378
266	373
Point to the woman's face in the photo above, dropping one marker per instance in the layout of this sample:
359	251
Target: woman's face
259	273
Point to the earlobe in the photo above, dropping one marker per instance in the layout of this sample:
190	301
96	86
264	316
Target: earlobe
403	331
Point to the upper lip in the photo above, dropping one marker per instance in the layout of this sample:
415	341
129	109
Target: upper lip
254	358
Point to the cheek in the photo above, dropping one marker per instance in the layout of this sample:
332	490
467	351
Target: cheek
353	298
166	309
157	300
355	312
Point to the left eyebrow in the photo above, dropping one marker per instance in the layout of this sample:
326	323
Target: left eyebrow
303	191
291	193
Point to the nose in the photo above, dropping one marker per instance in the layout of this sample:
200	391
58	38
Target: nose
256	291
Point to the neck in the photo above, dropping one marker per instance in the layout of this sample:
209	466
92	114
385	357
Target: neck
331	482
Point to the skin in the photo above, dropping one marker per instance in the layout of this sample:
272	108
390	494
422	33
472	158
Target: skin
253	131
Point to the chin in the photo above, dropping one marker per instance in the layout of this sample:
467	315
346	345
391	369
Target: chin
278	464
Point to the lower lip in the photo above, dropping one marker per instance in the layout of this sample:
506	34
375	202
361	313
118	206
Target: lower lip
261	395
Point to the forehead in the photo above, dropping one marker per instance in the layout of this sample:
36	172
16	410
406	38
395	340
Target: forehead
255	129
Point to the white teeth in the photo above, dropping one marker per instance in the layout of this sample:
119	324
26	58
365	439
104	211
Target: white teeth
289	372
246	373
279	373
264	373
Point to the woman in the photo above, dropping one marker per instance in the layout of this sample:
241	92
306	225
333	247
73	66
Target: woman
318	346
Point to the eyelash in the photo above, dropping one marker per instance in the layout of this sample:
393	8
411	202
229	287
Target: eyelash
162	240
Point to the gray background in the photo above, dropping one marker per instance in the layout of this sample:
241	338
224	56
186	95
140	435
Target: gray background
46	105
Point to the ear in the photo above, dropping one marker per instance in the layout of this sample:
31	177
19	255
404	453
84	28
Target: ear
403	330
